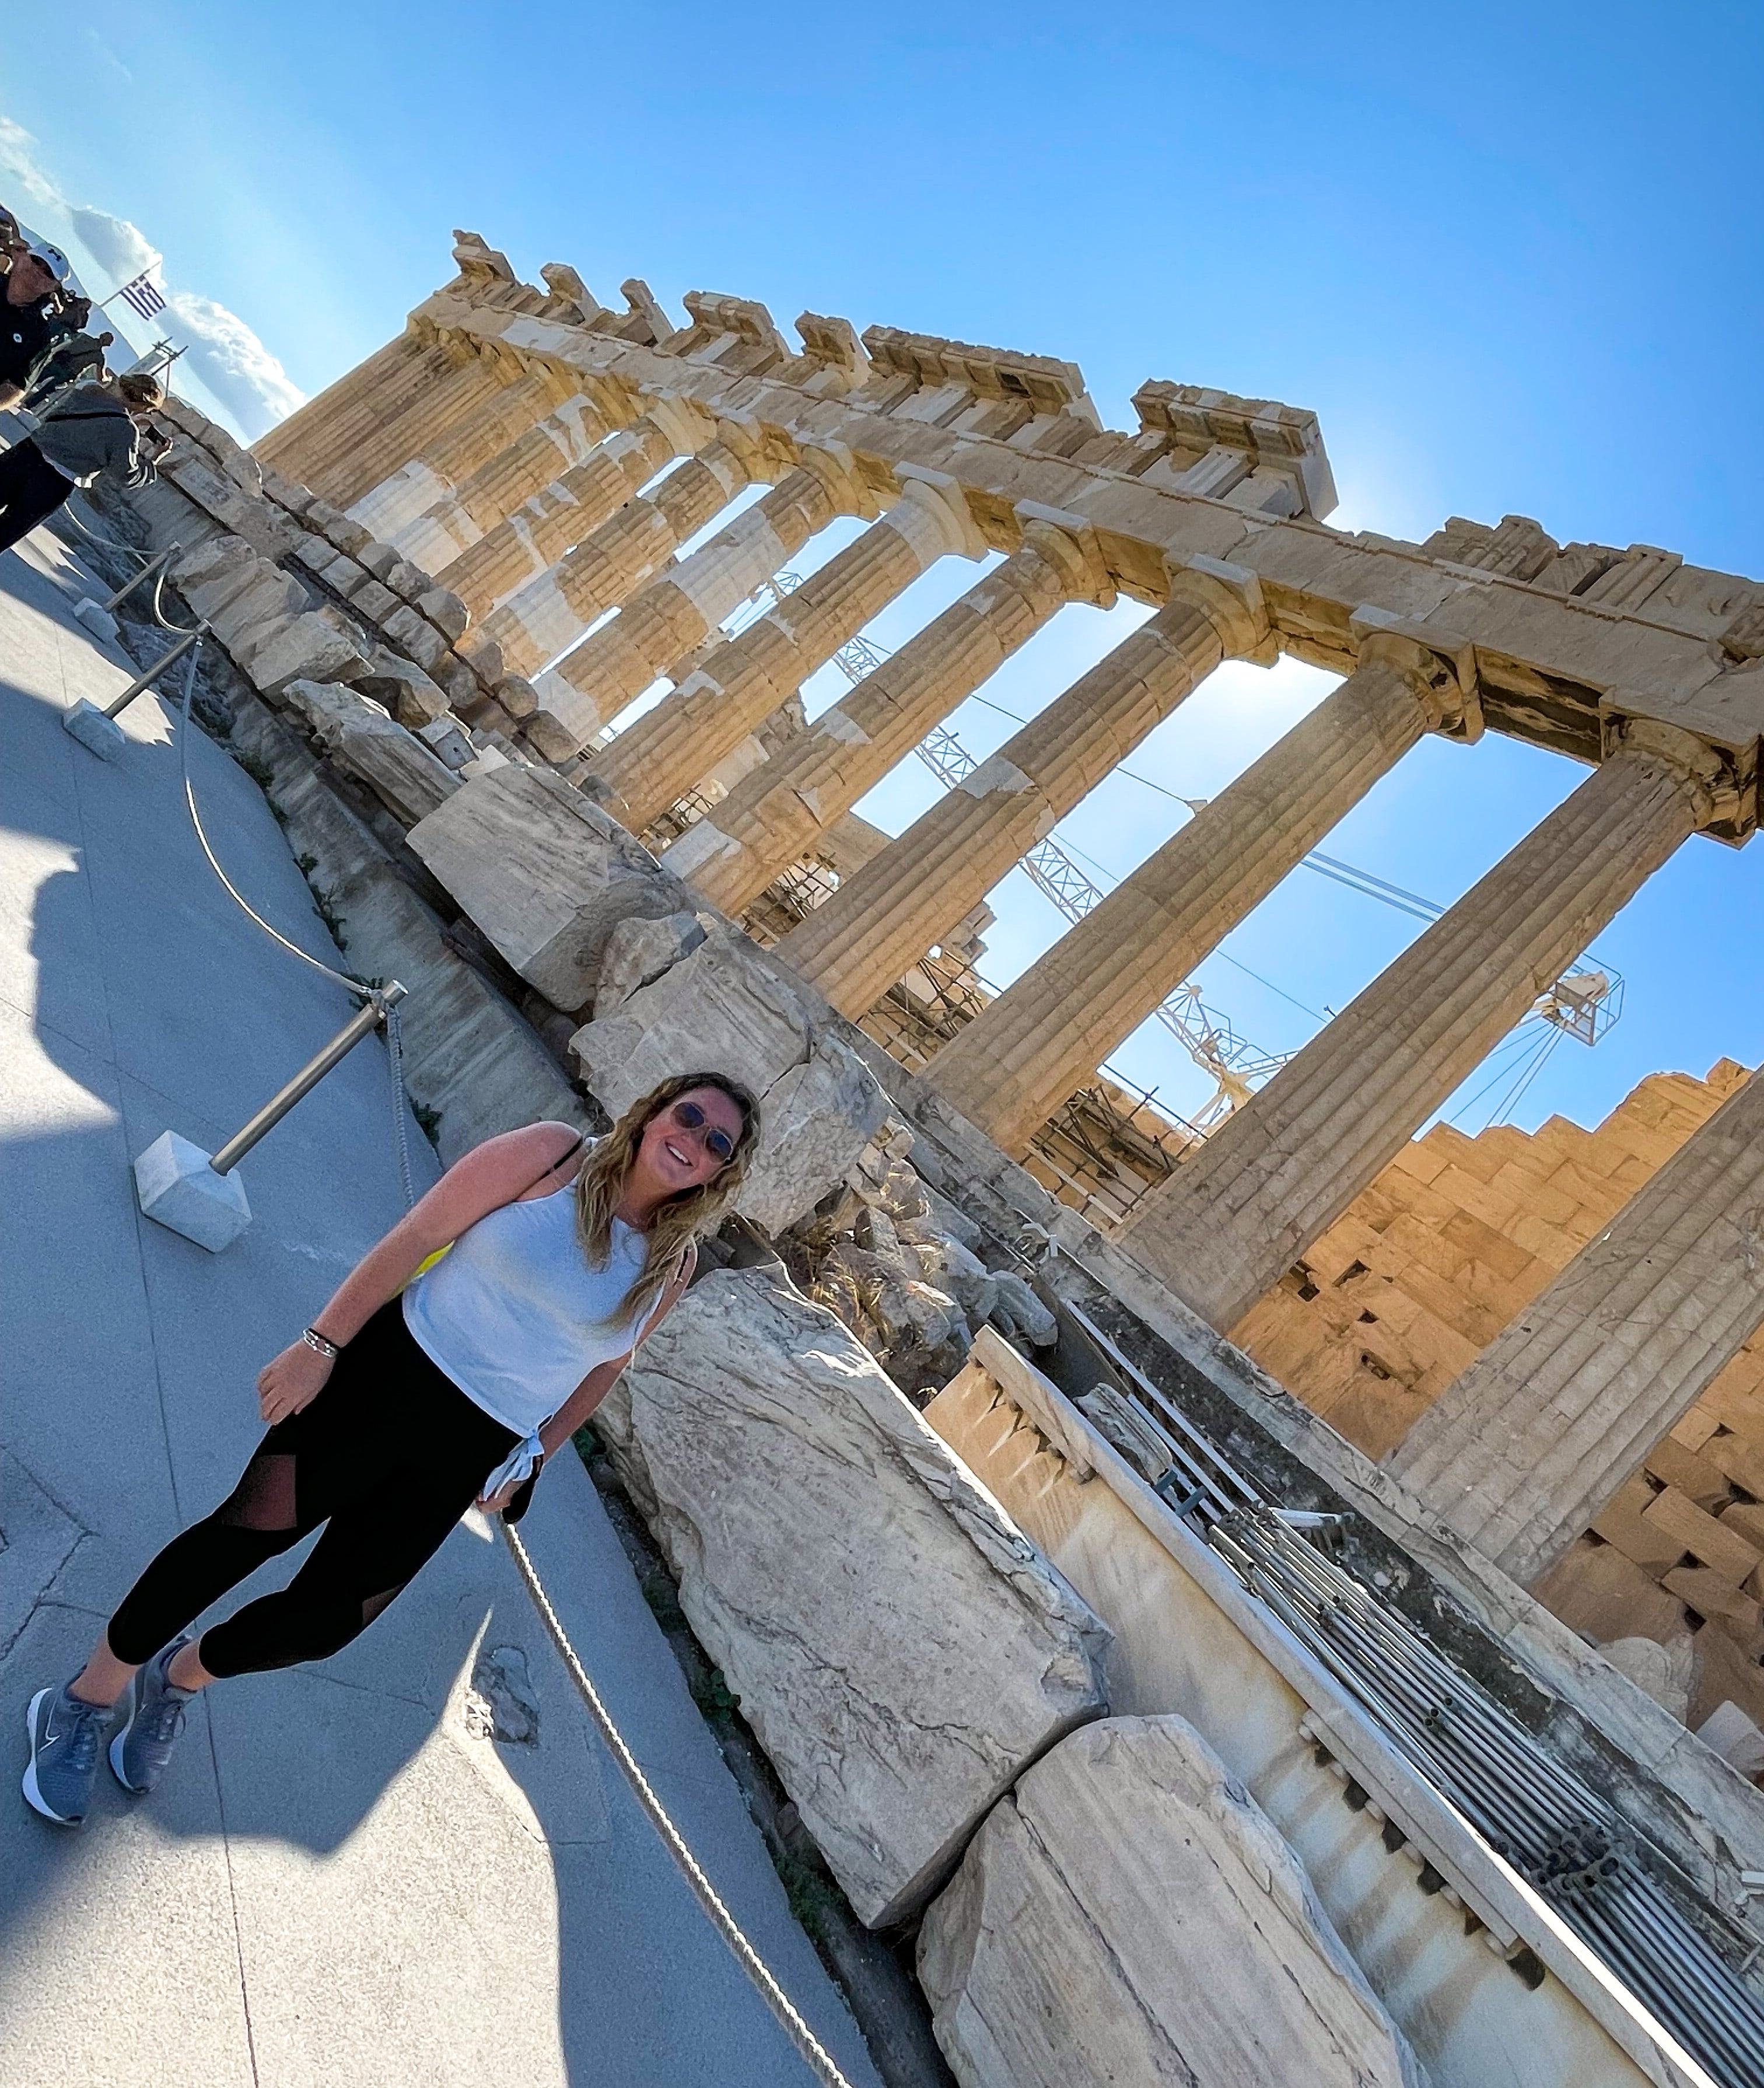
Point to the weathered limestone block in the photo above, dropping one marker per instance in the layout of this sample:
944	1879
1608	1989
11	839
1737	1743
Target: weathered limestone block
267	600
403	688
545	874
899	1646
445	610
1130	1903
363	740
818	1118
638	951
418	636
723	1006
213	572
307	647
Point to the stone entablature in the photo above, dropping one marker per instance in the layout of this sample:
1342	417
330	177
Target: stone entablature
1565	643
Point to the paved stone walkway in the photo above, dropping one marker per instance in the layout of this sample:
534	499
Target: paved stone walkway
339	1883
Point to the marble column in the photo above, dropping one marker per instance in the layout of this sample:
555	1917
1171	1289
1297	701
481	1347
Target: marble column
1540	1432
456	451
565	438
1235	1216
325	428
1045	1035
547	614
681	607
885	917
732	688
394	439
531	535
776	816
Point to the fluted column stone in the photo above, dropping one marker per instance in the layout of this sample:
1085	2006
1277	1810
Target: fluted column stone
681	607
328	427
885	917
455	452
606	567
566	508
396	439
1043	1036
731	690
1538	1436
1281	1170
490	492
778	814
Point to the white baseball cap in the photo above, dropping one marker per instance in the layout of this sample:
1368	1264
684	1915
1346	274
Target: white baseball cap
52	258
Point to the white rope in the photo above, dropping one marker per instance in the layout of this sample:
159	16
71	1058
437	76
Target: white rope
816	2055
341	979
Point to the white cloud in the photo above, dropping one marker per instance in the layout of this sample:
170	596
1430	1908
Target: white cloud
233	362
119	248
222	352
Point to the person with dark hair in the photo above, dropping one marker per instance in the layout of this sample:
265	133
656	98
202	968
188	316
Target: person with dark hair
66	362
462	1351
34	273
95	429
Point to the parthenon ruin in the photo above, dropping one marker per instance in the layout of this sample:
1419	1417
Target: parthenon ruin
456	571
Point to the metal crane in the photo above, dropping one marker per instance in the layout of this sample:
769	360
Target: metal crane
1583	1004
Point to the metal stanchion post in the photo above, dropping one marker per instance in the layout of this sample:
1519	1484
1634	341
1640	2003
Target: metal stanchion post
97	729
100	617
198	1195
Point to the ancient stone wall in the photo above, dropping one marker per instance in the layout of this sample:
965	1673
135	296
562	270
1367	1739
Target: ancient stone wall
1446	1249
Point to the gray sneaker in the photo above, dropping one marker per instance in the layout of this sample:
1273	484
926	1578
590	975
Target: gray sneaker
65	1734
155	1706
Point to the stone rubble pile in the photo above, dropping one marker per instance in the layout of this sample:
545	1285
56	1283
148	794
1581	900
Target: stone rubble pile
904	1269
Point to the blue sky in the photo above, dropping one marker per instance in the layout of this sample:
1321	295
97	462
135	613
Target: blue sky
1510	256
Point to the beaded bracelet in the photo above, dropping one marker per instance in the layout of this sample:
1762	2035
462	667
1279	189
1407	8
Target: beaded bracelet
314	1340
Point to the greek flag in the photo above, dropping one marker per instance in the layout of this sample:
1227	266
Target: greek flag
142	295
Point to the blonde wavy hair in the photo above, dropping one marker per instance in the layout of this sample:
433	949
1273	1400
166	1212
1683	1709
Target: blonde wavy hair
682	1219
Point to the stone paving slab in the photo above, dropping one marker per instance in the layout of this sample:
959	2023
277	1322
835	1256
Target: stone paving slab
339	1881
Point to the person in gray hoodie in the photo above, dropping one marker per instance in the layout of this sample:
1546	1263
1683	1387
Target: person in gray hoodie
96	429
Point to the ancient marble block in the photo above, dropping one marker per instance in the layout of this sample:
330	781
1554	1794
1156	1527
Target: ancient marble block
364	741
544	873
639	951
900	1648
1129	1907
722	1008
306	648
816	1119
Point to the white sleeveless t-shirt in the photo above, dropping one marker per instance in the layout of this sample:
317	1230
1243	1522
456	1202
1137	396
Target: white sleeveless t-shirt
514	1315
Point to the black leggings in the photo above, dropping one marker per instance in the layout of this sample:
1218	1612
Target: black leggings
389	1456
30	489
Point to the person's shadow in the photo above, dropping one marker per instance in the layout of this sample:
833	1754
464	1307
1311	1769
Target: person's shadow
412	1860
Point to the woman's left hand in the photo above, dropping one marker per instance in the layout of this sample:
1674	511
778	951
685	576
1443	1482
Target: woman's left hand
494	1504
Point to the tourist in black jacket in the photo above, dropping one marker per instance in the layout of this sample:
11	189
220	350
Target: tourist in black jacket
93	429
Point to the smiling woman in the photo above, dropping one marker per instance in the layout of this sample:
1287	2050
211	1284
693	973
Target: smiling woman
472	1341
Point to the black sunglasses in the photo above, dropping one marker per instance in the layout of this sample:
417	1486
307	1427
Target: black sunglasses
718	1144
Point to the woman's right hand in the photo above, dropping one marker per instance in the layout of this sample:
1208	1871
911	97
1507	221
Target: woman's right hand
291	1380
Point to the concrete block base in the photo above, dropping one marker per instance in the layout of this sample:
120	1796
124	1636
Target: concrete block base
103	736
176	1186
96	619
